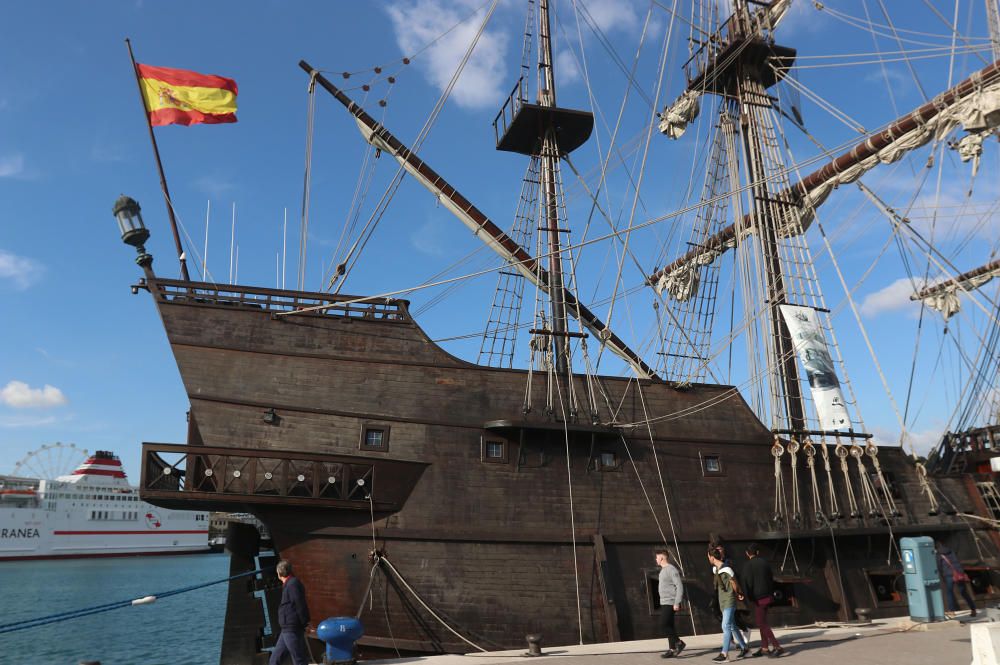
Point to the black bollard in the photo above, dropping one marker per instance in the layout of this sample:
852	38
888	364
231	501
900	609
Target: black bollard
534	645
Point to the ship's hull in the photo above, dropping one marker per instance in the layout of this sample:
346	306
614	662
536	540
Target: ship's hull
515	522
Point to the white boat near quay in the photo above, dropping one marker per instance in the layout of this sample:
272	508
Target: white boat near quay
91	512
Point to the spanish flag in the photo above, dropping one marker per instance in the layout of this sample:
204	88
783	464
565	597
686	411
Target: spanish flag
180	97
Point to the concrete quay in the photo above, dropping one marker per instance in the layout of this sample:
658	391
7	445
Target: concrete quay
881	642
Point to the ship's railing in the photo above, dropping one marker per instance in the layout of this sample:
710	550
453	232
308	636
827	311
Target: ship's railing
509	110
247	476
280	300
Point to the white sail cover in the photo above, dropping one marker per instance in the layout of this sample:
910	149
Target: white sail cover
978	114
676	117
813	352
946	301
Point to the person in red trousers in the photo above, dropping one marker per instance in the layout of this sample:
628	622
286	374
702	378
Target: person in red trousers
758	586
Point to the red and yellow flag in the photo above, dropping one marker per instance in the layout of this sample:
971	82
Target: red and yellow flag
180	97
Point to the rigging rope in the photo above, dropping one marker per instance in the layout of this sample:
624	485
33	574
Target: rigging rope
572	507
107	607
399	576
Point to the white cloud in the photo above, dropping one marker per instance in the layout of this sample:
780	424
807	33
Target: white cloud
923	442
894	75
566	68
20	395
21	270
107	152
216	187
418	22
431	238
613	14
11	165
893	298
20	422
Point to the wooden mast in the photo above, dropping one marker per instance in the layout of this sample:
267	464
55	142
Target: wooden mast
159	168
483	227
550	190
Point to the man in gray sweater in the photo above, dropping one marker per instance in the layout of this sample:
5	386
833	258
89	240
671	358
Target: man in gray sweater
671	596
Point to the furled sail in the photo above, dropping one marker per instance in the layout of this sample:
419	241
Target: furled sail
943	296
973	104
676	117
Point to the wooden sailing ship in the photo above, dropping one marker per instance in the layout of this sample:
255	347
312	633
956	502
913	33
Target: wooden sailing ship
455	506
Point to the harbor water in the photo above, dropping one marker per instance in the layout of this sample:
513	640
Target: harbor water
180	630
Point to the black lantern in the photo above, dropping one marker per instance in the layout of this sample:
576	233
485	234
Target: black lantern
134	232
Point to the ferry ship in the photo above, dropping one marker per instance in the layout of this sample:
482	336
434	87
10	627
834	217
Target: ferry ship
91	512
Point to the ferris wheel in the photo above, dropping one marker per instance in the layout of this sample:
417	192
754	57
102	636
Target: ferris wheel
51	460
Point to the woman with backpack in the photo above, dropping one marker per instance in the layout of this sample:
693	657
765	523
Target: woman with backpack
728	590
758	585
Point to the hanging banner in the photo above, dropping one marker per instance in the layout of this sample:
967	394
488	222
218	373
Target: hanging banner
810	345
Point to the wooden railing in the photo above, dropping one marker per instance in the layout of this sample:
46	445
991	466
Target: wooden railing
279	300
174	474
509	110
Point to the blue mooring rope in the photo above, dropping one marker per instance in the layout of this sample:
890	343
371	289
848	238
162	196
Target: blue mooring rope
97	609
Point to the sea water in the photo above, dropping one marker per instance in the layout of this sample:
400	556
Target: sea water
185	629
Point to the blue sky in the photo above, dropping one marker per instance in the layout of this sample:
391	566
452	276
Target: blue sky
84	361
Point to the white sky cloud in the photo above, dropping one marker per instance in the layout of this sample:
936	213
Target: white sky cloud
105	151
11	165
893	298
432	238
923	442
215	186
19	269
566	68
20	422
19	395
613	14
484	79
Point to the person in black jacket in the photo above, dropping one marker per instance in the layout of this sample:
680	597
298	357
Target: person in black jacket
758	585
293	617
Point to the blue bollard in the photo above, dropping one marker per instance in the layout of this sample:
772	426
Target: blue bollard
340	634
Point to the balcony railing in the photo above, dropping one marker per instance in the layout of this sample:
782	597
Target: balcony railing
223	476
509	110
278	300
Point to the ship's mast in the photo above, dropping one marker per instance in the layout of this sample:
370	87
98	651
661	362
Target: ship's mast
550	188
738	63
751	95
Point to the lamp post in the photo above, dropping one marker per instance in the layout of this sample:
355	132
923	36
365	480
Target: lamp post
134	232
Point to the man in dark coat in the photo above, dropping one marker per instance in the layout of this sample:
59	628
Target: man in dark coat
293	617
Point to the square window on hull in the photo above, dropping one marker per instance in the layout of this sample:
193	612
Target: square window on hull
711	465
375	437
494	451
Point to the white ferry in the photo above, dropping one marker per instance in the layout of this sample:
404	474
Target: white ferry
91	512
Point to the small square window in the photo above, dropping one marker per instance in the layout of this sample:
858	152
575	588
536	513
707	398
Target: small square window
605	461
711	465
375	437
494	450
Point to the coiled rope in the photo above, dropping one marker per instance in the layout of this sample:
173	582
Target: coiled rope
107	607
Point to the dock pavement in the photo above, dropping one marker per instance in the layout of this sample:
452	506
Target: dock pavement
882	642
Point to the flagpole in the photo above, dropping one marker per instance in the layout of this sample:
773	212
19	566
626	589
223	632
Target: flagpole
159	167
